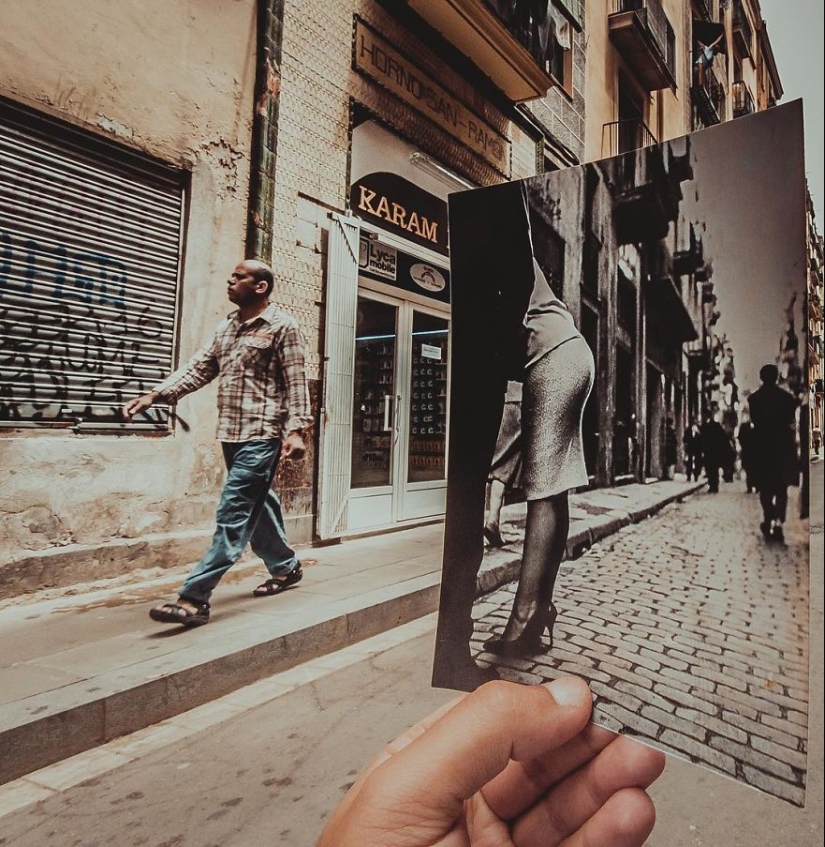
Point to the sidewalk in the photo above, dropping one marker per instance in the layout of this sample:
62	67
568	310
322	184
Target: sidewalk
82	667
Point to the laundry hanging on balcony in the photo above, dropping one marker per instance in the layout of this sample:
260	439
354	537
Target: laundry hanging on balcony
706	33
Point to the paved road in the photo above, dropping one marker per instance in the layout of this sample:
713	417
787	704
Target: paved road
276	758
694	634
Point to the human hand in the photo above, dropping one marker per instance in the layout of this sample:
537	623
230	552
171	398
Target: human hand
138	404
506	766
293	446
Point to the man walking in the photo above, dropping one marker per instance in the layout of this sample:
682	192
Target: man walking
715	447
257	356
746	451
773	415
693	451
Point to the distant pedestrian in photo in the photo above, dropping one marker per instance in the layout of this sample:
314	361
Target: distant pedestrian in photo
773	414
257	356
715	451
729	466
670	449
505	470
557	381
693	451
805	460
747	453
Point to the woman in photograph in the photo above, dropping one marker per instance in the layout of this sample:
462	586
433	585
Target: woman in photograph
506	468
558	378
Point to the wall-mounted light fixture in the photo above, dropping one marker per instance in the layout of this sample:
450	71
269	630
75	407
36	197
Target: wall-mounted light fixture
439	171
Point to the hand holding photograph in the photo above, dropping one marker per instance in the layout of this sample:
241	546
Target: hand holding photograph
629	364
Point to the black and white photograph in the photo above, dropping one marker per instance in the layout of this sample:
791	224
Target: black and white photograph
624	491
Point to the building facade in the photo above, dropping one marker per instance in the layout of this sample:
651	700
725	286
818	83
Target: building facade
385	110
816	326
327	139
123	199
323	137
657	70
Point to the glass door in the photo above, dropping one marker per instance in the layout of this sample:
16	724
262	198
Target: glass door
428	399
425	470
399	419
374	423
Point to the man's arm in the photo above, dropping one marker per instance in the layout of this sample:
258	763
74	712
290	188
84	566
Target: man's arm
290	351
201	369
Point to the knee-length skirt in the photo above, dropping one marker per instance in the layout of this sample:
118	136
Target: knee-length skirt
556	388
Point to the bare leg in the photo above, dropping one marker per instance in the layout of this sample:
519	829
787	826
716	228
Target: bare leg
545	539
492	527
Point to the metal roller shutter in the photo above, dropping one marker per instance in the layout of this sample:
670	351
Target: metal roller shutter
90	245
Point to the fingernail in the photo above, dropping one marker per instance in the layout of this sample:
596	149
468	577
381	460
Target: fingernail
566	691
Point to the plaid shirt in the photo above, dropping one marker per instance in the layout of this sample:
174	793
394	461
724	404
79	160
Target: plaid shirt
262	387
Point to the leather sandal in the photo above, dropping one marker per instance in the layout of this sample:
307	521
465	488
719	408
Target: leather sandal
277	584
175	613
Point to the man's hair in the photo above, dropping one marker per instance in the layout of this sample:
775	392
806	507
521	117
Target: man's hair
261	272
769	374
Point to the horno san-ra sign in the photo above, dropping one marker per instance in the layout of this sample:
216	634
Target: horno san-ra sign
379	61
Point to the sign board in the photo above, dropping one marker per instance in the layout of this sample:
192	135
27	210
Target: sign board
379	61
383	263
398	205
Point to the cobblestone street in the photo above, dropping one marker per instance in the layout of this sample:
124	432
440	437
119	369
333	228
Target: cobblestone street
694	635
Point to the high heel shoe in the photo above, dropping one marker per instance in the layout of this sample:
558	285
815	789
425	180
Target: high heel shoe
529	641
494	537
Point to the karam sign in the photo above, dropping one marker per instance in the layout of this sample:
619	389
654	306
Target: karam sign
377	59
398	205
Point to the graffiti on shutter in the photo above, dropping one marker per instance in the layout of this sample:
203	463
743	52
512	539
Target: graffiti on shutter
89	263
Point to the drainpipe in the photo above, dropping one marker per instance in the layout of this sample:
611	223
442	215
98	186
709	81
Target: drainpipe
261	205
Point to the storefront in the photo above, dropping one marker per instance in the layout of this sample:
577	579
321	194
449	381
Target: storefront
385	415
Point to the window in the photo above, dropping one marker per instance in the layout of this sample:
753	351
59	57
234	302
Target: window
560	50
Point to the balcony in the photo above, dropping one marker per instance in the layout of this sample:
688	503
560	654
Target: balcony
703	8
642	34
708	96
505	45
663	295
647	197
742	100
624	136
687	262
742	30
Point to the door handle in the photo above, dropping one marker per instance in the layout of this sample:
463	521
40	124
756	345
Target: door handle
387	405
397	423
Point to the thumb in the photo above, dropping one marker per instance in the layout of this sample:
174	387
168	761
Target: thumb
475	740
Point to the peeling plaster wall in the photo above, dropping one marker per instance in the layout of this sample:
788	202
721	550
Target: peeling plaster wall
173	79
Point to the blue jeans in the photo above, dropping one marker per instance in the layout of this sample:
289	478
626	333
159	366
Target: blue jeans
248	512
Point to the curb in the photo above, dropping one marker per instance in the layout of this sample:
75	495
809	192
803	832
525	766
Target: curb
40	739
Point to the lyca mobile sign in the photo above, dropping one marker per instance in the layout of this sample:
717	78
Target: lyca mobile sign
376	59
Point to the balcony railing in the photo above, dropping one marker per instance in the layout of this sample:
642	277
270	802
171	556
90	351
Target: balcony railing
623	136
742	100
642	33
504	38
742	30
703	7
708	96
